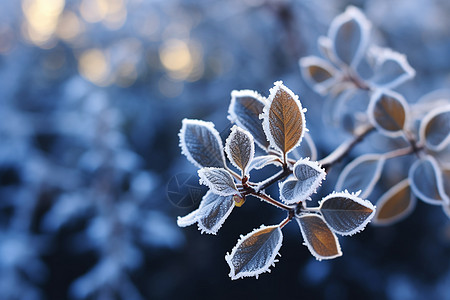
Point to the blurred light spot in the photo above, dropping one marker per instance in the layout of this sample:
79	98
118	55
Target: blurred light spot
116	19
93	66
175	56
182	61
41	19
6	39
93	11
170	88
69	26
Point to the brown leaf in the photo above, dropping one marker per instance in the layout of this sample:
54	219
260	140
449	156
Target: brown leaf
395	204
318	237
284	119
387	112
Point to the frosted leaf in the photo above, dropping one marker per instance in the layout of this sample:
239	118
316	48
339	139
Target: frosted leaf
395	205
445	192
388	112
326	48
435	128
307	148
318	237
446	209
218	180
346	213
244	110
283	118
318	73
426	181
349	33
390	68
260	162
255	252
188	219
211	214
361	174
240	148
201	144
308	177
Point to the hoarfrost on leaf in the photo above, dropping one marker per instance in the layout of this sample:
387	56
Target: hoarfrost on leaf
388	112
255	252
307	148
426	181
218	180
240	148
361	174
201	144
349	33
390	68
346	213
318	73
211	214
318	237
260	162
395	204
283	119
244	110
435	128
309	176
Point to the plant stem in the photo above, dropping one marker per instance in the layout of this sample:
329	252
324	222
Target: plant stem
401	152
268	199
235	175
278	176
340	152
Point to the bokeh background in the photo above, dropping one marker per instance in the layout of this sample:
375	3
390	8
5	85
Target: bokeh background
92	94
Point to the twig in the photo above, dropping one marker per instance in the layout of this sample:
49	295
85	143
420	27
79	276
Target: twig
340	152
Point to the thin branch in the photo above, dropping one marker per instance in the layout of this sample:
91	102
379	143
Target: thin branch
269	199
401	152
235	175
344	149
271	180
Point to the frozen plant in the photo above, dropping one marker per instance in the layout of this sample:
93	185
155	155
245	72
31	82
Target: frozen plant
277	125
358	79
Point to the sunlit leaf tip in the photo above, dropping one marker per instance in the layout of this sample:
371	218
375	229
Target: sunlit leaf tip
218	180
394	205
283	119
240	148
349	33
244	110
318	237
346	213
201	143
255	252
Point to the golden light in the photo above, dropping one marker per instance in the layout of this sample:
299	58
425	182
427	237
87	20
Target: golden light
69	26
93	65
94	11
41	19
